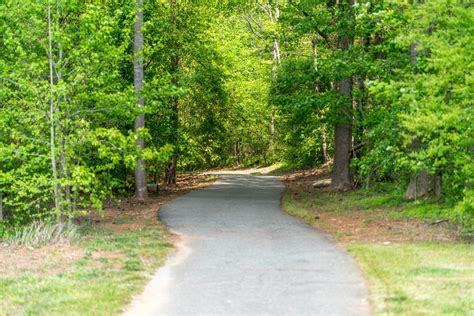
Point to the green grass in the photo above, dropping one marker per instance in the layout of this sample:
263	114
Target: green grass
383	196
418	278
114	267
307	205
410	278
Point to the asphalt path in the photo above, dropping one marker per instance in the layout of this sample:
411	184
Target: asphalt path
242	255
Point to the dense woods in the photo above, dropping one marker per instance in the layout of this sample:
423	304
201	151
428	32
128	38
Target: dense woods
99	99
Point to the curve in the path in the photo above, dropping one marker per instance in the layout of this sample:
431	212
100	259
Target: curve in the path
243	255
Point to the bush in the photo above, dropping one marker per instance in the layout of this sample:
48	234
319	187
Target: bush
464	212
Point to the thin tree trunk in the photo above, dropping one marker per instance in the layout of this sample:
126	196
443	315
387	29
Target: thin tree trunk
172	162
238	152
341	174
171	171
325	143
1	207
52	129
140	173
274	17
314	47
61	130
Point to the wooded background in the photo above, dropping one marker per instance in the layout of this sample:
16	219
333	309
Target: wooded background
100	98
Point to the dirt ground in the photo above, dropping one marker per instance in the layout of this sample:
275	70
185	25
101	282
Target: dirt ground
373	225
134	214
130	214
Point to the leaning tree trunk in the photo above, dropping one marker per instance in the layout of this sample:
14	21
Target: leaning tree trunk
341	174
140	173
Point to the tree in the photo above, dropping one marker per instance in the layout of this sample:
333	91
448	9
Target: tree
341	174
52	118
175	64
62	108
140	172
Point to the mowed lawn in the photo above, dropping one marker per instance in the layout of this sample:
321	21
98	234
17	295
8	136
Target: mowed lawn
418	278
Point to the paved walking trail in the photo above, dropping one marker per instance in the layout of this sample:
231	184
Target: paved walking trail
242	255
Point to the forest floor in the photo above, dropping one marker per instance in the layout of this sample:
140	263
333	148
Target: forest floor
97	273
416	262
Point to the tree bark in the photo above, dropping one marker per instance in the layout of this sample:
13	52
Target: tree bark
140	171
274	17
325	143
172	162
52	128
341	174
61	130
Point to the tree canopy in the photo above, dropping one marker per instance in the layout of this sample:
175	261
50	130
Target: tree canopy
383	90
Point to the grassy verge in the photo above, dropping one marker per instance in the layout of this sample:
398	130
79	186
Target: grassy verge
415	265
418	278
105	271
94	268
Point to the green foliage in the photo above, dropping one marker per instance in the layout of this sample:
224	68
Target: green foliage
81	114
303	124
429	102
441	112
196	105
411	69
229	83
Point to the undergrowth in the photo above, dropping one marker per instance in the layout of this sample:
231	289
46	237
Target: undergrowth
41	233
383	196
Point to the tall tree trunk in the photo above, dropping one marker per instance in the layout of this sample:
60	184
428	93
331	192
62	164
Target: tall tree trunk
52	127
274	17
62	131
341	174
171	170
324	145
140	172
172	162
